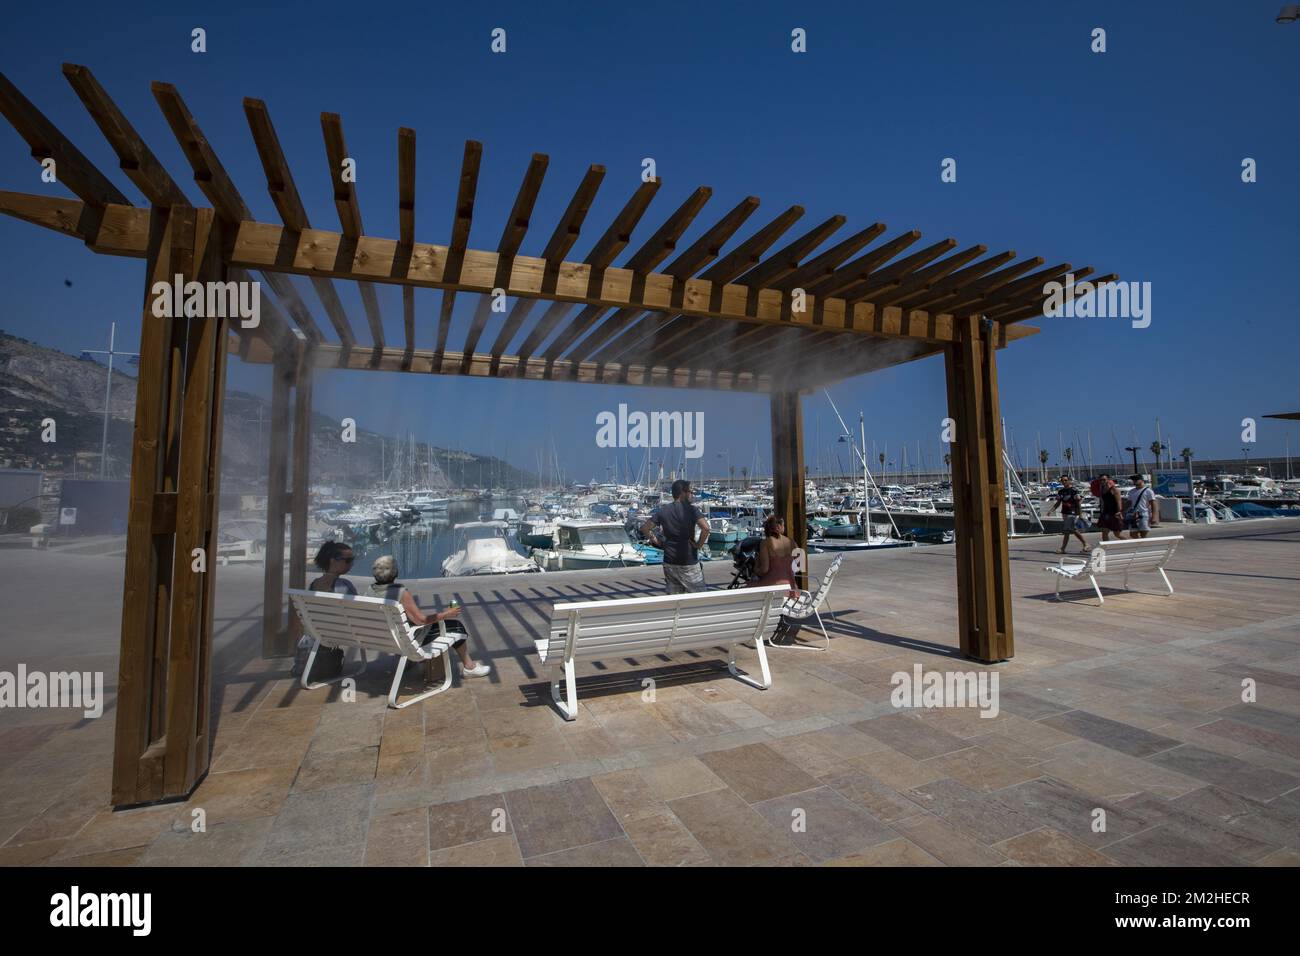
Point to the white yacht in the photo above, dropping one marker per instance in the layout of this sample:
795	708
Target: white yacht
589	543
482	547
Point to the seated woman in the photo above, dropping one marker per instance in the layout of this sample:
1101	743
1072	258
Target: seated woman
775	556
386	586
335	559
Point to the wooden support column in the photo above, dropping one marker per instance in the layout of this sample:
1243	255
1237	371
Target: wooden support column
301	477
788	469
275	634
164	683
979	497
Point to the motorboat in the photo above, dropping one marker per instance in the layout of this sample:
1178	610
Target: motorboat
536	530
584	543
483	547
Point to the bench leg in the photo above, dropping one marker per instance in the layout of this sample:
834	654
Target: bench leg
1166	577
311	659
568	710
762	665
1057	596
416	698
1096	588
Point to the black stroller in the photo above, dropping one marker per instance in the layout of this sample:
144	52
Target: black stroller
744	555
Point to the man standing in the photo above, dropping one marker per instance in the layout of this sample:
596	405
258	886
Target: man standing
685	531
1072	521
1138	507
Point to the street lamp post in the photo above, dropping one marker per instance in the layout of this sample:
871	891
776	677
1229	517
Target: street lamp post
108	394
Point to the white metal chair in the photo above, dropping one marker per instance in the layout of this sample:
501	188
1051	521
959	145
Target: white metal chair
368	623
809	604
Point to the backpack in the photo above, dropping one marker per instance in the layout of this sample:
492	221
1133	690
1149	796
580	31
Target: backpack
1095	487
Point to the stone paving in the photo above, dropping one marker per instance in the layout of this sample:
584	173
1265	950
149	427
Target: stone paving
1128	715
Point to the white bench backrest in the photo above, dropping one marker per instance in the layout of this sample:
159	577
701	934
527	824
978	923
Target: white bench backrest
1133	554
653	625
345	620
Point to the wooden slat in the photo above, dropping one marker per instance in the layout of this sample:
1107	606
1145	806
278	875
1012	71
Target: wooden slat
511	239
349	210
861	268
703	251
823	267
134	157
926	281
460	226
786	260
209	174
665	330
974	279
72	168
655	250
611	242
288	203
561	241
886	278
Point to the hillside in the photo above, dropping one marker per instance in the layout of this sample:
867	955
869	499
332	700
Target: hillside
38	383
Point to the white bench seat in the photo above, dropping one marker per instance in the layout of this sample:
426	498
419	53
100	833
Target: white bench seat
368	624
1130	556
634	627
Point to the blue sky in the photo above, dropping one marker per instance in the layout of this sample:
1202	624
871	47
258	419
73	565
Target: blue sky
1128	161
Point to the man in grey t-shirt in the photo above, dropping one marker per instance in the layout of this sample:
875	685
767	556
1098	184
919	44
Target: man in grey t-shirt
685	531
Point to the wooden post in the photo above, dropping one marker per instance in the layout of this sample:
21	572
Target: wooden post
164	685
301	476
979	498
788	470
275	635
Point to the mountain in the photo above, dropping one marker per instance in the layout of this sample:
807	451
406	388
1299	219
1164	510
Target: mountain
39	383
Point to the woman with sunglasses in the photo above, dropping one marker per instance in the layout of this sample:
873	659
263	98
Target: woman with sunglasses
335	559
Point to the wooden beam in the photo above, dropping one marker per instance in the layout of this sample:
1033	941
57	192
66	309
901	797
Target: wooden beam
785	261
72	168
406	224
822	267
511	239
861	268
886	278
349	210
275	634
134	157
209	174
460	226
561	241
788	490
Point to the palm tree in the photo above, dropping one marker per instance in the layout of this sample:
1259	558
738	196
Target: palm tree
1157	449
1186	454
744	474
1042	464
1069	456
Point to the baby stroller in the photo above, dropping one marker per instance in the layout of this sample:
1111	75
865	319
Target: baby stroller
744	555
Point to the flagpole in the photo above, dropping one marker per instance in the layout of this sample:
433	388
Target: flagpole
108	394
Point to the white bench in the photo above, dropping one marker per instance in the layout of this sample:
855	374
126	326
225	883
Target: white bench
634	627
1111	557
368	624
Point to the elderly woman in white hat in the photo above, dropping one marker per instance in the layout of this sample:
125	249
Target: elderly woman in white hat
386	586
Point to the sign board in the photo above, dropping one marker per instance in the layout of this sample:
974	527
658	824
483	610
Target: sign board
1172	483
67	516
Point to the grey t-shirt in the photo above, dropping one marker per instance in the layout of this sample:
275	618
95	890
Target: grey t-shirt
678	521
1140	501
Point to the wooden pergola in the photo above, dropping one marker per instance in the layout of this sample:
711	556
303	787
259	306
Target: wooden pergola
710	316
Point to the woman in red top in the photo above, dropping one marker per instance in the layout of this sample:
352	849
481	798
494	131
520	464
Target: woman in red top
775	556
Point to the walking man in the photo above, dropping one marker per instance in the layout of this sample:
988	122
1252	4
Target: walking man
1138	507
684	531
1073	522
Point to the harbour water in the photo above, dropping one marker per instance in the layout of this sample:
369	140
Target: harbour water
421	547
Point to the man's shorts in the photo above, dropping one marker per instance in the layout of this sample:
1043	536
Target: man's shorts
1111	522
683	578
1076	523
1138	521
